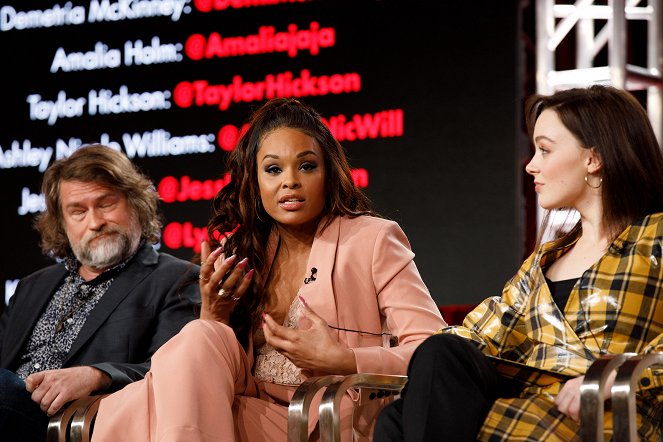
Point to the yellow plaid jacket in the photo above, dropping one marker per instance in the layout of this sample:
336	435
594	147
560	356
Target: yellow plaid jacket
616	306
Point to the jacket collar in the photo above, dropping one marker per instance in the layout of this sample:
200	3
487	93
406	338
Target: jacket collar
28	313
136	270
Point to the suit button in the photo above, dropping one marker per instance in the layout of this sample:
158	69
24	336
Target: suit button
645	382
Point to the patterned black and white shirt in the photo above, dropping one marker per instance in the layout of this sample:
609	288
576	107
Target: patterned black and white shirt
63	319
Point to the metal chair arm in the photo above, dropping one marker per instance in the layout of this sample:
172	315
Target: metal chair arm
623	395
592	394
73	422
301	402
83	420
330	425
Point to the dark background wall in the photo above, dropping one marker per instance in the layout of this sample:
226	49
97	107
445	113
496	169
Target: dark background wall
445	79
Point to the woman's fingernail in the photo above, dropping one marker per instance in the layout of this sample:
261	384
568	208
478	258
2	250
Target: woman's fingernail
230	259
249	274
242	263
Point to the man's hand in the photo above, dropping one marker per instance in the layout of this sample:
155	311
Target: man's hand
52	389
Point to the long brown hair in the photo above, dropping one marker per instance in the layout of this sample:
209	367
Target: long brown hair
95	163
238	207
615	124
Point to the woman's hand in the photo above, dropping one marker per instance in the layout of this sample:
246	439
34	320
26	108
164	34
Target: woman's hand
310	346
222	283
568	399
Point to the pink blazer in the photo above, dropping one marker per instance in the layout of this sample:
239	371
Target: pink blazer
366	280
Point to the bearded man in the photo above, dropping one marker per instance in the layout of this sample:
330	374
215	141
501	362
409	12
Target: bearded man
91	322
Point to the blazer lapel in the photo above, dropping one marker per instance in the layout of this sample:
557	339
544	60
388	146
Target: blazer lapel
541	304
27	313
138	269
319	292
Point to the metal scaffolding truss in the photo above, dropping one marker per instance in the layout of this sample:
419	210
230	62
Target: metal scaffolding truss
554	22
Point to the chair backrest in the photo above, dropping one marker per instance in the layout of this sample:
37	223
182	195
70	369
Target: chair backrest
455	313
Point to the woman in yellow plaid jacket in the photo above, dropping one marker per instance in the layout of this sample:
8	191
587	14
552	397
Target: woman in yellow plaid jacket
594	290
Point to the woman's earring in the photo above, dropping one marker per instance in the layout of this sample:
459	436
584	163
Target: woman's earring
593	187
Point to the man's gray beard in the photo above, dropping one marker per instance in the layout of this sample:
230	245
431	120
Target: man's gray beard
107	251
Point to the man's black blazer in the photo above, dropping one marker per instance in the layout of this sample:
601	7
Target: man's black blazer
149	301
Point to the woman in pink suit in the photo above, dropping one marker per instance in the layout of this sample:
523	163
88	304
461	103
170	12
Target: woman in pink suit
309	282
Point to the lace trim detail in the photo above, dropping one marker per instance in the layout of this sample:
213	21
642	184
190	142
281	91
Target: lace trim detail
272	366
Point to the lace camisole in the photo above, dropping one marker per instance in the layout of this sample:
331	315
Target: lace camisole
272	366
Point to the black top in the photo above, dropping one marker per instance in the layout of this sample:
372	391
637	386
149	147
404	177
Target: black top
560	290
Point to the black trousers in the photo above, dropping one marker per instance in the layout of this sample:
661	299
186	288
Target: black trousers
21	419
451	387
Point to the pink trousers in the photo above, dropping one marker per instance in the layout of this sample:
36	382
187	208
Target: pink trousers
200	388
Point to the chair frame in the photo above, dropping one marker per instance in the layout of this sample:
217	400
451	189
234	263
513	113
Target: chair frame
592	392
623	395
58	425
629	367
77	418
74	420
300	404
384	385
